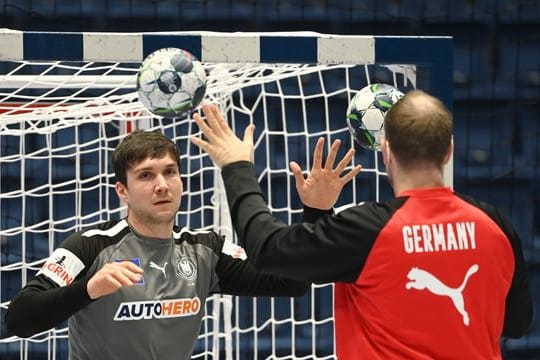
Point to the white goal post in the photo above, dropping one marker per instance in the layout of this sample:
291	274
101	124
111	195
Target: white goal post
66	99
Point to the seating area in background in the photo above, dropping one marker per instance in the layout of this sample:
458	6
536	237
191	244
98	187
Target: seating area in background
496	78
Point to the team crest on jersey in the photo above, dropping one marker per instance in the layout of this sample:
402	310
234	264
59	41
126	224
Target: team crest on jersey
186	269
62	267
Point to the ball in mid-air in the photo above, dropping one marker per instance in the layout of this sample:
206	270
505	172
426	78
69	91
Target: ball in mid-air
171	82
366	112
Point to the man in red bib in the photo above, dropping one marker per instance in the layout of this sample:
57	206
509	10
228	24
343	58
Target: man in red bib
429	274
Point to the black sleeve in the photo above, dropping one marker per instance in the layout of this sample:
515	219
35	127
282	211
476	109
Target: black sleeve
334	248
311	215
240	277
42	304
519	309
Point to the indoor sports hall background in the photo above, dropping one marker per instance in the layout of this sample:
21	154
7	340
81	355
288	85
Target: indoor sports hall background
496	79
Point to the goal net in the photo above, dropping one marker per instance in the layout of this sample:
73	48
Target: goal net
66	100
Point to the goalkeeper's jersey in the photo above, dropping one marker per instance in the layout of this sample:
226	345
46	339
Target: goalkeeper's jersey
159	317
429	274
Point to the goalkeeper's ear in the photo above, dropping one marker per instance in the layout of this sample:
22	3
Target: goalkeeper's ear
121	192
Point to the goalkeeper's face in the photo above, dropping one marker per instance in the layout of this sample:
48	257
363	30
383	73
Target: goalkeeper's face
153	191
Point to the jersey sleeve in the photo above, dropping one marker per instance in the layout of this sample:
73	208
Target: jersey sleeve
54	294
240	277
519	308
236	276
311	215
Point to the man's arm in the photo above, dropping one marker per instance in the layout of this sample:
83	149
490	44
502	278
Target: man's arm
301	251
334	248
65	284
519	307
41	305
240	277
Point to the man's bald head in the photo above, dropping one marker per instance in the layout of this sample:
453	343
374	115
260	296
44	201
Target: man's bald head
418	129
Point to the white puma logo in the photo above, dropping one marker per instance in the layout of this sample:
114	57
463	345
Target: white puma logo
153	265
421	279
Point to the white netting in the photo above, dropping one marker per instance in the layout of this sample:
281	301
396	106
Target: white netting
60	122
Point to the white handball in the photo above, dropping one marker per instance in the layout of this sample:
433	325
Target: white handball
171	82
366	112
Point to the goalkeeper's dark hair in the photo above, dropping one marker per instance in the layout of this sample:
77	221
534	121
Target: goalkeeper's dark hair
139	145
418	128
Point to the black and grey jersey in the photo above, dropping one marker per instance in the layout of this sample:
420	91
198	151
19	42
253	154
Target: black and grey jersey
159	317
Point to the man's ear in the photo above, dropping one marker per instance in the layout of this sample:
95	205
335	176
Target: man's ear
449	152
121	191
385	148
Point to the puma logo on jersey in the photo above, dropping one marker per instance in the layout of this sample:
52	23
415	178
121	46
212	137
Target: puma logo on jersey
421	279
153	265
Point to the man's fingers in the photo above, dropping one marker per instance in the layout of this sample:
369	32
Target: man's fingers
127	270
345	161
248	133
200	122
206	131
112	279
331	158
317	154
351	174
221	122
297	172
131	266
197	141
128	278
215	128
126	273
214	118
203	126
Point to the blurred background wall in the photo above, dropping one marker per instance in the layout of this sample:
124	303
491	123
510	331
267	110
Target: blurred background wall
496	77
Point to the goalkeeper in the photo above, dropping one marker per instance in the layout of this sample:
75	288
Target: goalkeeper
135	288
429	274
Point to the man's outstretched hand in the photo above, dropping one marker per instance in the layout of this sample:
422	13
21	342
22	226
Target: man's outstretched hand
220	142
321	189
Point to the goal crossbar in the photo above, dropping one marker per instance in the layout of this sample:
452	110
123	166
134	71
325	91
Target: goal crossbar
217	47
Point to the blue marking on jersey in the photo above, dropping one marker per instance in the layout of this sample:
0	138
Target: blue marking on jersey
136	261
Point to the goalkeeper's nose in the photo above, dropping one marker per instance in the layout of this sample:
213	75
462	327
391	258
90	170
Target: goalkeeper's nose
161	184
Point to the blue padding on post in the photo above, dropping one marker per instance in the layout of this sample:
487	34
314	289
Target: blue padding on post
292	49
153	42
53	46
